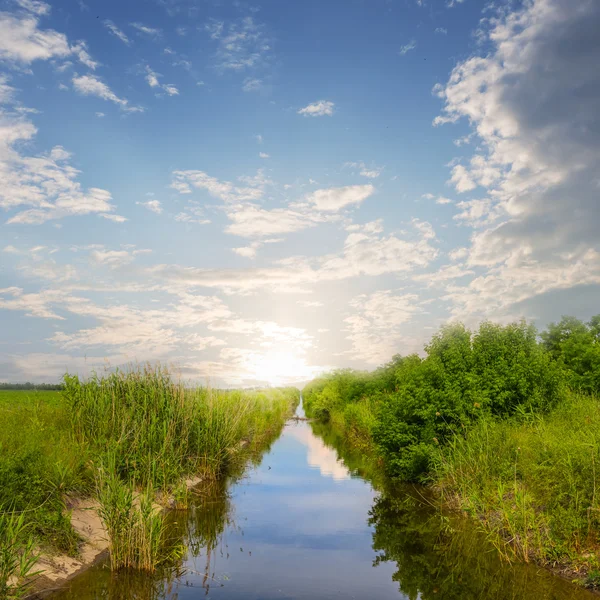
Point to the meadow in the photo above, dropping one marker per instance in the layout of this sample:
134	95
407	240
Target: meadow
503	423
128	440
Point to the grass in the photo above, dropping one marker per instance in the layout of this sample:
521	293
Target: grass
534	483
126	438
17	555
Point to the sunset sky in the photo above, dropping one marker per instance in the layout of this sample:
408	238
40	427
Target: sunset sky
259	191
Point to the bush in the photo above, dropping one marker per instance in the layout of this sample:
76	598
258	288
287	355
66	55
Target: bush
417	404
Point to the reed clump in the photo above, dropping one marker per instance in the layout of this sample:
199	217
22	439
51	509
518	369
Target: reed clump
128	437
135	525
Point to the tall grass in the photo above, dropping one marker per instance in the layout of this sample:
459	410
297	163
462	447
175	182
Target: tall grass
129	438
146	432
534	483
159	431
135	525
17	555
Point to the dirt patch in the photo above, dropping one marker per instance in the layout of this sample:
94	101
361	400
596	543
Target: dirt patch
60	568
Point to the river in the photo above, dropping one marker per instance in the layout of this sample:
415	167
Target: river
306	522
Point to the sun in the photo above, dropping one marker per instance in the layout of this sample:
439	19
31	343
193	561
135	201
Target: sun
280	367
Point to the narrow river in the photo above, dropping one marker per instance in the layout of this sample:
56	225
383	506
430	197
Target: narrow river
304	524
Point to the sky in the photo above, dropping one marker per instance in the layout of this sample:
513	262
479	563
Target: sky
256	192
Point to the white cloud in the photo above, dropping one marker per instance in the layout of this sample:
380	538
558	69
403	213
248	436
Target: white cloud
152	79
441	30
194	213
152	205
318	109
22	41
242	44
263	155
111	258
251	220
374	330
477	213
89	85
259	138
443	274
114	218
458	253
371	172
442	200
117	32
80	51
100	115
533	107
251	250
407	47
366	252
333	199
45	183
149	31
461	179
34	6
309	303
251	84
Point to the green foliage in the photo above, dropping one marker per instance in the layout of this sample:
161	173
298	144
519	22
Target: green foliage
124	436
412	405
136	527
17	555
576	346
39	462
534	481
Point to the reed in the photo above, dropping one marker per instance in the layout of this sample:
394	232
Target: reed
17	555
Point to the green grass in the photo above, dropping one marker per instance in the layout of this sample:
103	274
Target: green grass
535	483
126	438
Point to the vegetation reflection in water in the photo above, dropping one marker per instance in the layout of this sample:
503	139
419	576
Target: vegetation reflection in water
427	555
440	556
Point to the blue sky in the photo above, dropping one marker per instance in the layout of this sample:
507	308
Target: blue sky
255	192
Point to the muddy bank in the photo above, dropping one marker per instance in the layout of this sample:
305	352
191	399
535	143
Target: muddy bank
58	569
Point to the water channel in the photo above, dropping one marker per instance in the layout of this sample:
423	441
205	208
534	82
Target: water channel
309	520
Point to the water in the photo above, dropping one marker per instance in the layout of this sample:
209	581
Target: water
307	524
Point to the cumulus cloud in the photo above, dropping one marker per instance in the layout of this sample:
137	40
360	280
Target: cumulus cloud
251	250
333	199
318	109
22	41
152	205
532	102
46	184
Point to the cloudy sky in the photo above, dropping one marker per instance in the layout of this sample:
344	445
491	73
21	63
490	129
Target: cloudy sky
258	190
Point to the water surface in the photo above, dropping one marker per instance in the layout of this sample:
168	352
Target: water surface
307	523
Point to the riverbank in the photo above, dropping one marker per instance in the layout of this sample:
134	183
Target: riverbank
127	441
490	422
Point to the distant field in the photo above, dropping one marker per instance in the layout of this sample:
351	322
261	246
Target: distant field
21	396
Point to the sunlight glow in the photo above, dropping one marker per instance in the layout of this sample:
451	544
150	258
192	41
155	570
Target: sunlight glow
280	367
